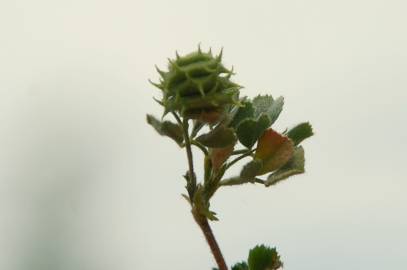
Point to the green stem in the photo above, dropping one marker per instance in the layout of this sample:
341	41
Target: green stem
191	186
238	181
238	152
248	153
200	146
201	220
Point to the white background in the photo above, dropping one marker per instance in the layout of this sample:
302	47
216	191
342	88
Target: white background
86	184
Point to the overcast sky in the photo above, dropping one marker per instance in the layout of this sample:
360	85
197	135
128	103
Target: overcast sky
85	184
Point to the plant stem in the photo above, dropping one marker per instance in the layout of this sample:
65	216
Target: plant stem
192	177
200	146
191	185
238	152
201	220
203	223
246	154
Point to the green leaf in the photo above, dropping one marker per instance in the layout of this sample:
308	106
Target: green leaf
240	266
249	130
300	132
264	258
294	166
190	183
251	169
247	174
202	204
244	112
219	137
268	106
274	149
255	117
166	128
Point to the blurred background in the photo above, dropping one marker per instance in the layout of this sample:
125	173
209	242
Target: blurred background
86	184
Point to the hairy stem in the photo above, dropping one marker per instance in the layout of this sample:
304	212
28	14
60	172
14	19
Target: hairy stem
203	223
192	177
201	220
200	146
246	154
191	184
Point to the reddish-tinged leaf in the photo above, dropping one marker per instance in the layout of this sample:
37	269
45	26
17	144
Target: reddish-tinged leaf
220	155
210	117
274	150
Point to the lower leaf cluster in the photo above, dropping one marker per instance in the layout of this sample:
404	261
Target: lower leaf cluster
260	257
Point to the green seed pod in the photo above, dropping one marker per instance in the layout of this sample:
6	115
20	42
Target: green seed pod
198	86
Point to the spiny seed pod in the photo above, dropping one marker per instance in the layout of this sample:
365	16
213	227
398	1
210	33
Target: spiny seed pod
197	86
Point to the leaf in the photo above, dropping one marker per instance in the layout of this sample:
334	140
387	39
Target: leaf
255	117
264	258
274	150
190	183
236	180
210	117
219	137
300	132
268	106
251	169
166	128
186	198
202	204
245	112
240	266
249	130
207	168
247	174
211	215
218	156
294	166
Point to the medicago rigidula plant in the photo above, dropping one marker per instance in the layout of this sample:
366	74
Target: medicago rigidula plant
197	91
